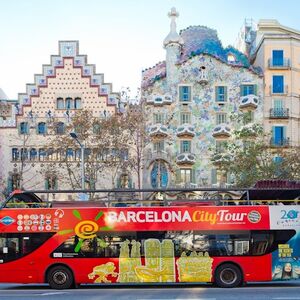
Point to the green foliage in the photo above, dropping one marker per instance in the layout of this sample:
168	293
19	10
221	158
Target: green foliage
249	157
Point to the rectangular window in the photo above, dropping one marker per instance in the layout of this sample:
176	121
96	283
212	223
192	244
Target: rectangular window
278	84
248	89
184	93
24	128
158	118
185	175
159	146
221	118
185	146
277	58
221	93
279	135
185	118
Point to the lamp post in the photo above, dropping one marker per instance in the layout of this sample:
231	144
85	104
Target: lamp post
75	137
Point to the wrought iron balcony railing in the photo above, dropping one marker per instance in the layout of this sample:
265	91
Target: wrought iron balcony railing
279	113
285	63
283	142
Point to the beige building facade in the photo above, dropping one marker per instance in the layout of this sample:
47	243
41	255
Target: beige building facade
67	85
277	53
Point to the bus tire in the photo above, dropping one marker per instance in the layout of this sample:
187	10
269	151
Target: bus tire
228	276
60	277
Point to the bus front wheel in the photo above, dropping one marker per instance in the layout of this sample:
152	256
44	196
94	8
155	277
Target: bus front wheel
228	276
60	277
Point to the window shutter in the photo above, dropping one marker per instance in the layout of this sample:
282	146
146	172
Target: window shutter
213	176
193	176
56	184
284	132
9	185
119	183
241	90
225	93
46	183
273	133
189	93
178	177
255	89
216	93
180	93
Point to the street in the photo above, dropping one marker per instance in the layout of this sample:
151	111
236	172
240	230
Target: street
259	291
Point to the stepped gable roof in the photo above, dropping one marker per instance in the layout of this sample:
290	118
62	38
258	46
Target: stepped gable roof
3	96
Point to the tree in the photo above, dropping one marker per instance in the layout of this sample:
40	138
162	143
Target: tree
248	157
104	140
139	138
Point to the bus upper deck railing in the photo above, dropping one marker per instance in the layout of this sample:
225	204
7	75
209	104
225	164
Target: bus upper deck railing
153	197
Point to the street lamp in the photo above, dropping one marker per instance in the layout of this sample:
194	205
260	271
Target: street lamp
75	137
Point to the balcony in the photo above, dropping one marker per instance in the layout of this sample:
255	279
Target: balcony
279	113
159	100
279	90
158	155
221	130
158	130
186	130
219	158
284	64
203	78
249	101
185	158
283	142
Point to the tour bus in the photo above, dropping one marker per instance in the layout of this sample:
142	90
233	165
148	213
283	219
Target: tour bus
67	245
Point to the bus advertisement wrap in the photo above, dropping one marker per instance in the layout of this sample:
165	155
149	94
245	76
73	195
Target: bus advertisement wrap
124	219
286	259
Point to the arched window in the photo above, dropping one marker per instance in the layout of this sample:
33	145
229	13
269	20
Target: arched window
42	154
60	103
24	154
70	154
69	103
15	154
33	154
159	175
60	128
77	103
41	128
50	154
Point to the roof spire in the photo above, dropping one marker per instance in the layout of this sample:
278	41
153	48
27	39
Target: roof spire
173	36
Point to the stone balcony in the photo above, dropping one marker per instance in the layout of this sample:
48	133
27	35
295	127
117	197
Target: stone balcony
185	158
159	100
158	130
221	131
186	130
249	101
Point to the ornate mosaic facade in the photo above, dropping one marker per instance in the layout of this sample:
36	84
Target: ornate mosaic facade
190	99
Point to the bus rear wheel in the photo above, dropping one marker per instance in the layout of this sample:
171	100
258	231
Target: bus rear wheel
228	276
60	277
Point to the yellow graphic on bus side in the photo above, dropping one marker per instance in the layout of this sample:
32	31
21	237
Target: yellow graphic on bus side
159	264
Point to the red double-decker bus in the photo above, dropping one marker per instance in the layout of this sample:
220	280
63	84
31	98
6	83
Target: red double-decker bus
227	245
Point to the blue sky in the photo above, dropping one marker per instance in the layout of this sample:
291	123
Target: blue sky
121	37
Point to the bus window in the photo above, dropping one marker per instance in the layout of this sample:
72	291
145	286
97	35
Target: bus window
16	245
